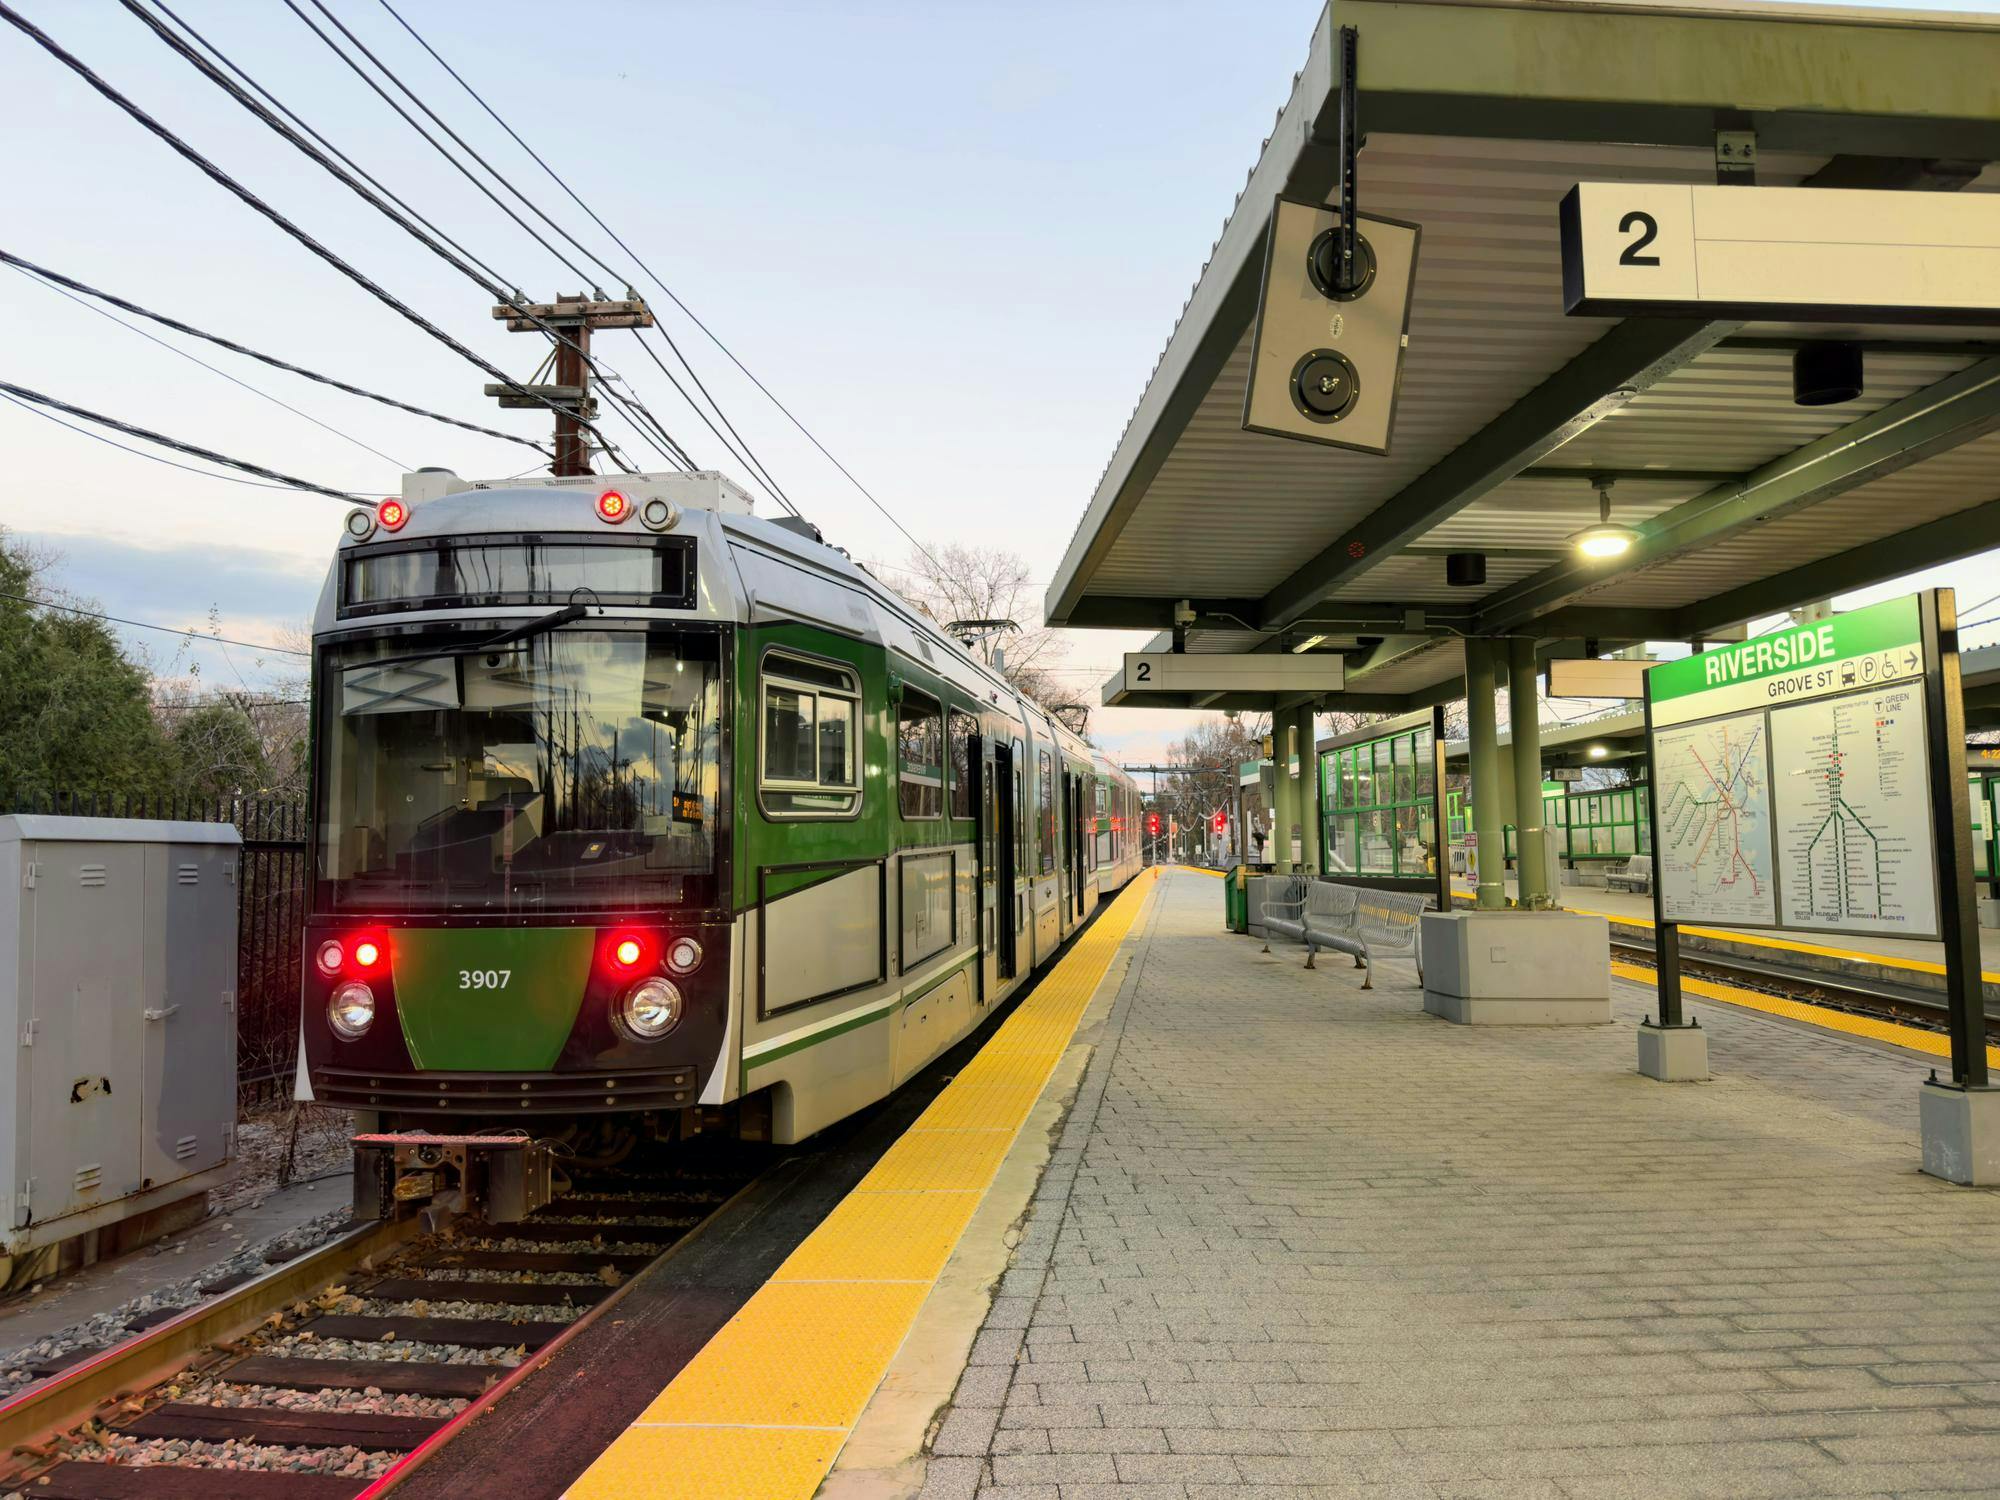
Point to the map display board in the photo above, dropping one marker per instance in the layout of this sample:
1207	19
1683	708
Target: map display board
1792	780
1853	820
1714	852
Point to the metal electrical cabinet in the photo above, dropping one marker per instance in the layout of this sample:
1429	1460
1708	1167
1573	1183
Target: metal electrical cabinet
118	985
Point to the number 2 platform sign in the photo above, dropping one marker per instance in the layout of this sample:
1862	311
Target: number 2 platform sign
1826	254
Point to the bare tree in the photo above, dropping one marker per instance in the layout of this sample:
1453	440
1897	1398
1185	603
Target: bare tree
1204	768
954	583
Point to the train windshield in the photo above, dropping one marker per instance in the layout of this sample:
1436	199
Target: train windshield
575	769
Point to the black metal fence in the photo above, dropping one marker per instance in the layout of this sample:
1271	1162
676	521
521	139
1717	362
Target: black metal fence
270	928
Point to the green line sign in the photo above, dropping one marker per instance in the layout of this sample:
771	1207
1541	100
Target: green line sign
1872	647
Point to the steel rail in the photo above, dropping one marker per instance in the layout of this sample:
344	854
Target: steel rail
45	1410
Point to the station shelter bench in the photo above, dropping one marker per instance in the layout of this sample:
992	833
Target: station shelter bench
1636	874
1323	914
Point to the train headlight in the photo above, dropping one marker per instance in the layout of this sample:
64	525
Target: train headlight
650	1009
684	955
351	1010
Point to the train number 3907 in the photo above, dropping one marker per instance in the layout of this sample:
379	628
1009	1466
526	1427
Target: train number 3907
484	979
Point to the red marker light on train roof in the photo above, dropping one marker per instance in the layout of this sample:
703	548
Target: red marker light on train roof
613	507
391	514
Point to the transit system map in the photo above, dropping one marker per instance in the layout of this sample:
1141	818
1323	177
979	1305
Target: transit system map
1852	813
1793	778
1715	821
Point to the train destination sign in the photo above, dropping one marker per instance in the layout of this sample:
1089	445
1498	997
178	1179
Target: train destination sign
1814	254
1792	778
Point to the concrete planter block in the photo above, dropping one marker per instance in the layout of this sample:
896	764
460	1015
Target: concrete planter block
1673	1054
1961	1133
1527	968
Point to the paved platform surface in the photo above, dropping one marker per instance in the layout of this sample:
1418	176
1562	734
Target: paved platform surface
1297	1240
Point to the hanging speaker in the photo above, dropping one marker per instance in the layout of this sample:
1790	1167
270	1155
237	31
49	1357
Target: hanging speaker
1326	355
1465	570
1826	373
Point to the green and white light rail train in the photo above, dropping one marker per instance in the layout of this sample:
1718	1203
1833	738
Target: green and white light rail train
636	812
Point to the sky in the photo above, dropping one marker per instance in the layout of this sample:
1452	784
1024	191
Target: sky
953	238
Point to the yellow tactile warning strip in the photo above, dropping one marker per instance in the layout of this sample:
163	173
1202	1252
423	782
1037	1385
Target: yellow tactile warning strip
1935	1043
1786	945
761	1412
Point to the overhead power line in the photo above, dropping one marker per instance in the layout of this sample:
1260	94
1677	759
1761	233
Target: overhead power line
270	359
224	374
734	443
222	179
421	233
660	282
285	481
408	220
193	635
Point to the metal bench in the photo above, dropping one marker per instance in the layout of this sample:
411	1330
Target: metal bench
1635	875
1368	924
1285	908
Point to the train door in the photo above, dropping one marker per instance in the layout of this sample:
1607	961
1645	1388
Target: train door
1001	775
1021	878
1065	861
1079	843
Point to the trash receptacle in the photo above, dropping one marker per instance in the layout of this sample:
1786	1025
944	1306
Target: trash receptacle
1236	899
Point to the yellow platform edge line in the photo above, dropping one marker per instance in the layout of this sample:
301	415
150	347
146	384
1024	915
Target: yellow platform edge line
761	1412
1785	945
1916	1039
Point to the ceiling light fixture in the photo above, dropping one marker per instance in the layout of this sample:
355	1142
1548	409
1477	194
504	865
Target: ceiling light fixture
1604	540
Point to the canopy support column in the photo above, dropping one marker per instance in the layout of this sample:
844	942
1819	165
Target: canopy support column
1310	827
1537	883
1483	729
1284	799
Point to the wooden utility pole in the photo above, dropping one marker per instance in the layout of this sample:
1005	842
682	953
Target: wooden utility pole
573	318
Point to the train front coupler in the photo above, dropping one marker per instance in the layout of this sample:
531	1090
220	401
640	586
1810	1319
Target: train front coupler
499	1178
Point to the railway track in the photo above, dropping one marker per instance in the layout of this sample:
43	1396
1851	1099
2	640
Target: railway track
337	1374
1855	995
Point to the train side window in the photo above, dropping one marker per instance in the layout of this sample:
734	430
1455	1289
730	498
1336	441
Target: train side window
809	766
919	756
963	727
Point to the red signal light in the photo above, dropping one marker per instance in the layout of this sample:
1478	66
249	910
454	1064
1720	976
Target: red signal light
613	507
1220	822
391	514
628	951
367	953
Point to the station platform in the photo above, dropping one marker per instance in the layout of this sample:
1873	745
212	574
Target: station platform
1300	1240
1262	1234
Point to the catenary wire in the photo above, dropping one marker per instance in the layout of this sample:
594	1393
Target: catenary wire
285	481
754	466
222	179
408	119
491	283
494	287
272	360
194	635
661	283
98	437
652	430
224	374
361	171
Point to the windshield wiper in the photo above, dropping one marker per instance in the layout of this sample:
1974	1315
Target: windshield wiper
569	614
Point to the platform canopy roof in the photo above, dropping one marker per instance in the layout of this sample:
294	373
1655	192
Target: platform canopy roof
1476	118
